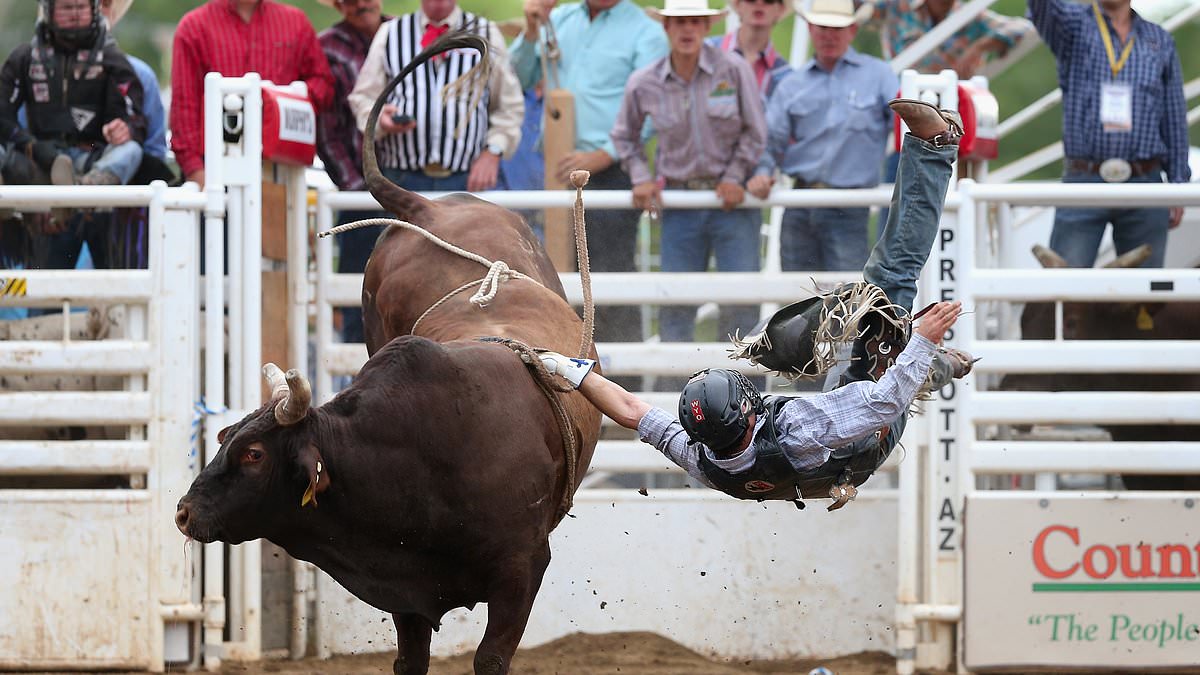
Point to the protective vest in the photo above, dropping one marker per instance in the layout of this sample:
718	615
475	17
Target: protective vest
70	95
773	477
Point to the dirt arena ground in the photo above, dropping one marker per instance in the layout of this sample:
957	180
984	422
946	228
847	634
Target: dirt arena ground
587	654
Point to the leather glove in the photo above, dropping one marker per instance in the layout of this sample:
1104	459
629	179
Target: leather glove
572	370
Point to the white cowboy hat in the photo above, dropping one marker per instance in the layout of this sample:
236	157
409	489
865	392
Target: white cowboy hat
684	8
833	13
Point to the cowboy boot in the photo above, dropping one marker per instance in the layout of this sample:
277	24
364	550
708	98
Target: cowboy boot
927	122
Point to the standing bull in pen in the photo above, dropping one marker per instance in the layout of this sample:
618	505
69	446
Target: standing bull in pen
1118	321
433	481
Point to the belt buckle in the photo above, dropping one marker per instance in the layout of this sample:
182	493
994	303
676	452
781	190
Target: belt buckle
436	170
1115	170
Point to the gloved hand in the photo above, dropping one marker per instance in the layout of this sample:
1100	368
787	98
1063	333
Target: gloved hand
572	370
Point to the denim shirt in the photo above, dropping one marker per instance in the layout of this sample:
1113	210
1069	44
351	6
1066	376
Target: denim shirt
831	127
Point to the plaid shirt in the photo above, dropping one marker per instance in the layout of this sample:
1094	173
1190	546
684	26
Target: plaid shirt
810	427
903	22
1153	71
339	142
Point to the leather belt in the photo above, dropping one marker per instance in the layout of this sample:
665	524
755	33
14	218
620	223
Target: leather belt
799	183
707	183
1140	167
436	170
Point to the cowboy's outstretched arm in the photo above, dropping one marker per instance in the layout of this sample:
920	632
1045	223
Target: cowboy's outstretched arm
609	397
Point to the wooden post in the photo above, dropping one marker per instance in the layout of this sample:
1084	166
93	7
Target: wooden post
274	274
558	134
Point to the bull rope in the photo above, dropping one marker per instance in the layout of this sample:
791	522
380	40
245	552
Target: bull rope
499	271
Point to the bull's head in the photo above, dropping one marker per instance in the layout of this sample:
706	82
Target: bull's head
267	469
1081	320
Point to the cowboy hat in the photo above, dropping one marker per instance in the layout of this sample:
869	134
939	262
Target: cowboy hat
117	10
833	13
684	8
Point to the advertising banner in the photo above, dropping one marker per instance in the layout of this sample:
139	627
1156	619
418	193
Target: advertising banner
1088	580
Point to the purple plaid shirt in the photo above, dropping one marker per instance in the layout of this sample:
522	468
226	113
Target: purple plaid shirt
339	142
1159	108
810	427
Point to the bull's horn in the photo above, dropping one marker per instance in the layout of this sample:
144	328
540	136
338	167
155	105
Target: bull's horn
275	380
1048	258
294	405
1133	258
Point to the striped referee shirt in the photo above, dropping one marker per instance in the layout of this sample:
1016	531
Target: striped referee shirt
447	133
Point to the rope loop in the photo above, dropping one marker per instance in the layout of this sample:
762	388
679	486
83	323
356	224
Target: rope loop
490	286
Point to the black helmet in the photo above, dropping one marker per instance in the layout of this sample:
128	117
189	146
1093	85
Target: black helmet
715	407
69	38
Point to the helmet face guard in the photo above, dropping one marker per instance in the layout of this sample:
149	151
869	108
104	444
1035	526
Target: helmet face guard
83	37
715	407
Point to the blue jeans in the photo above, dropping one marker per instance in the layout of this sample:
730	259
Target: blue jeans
120	160
823	240
417	181
922	179
1077	232
688	238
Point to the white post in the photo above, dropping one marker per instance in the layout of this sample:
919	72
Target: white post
323	378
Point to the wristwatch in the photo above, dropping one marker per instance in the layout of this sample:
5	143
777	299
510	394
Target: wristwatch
495	149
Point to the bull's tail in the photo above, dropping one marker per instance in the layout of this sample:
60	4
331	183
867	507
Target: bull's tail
409	205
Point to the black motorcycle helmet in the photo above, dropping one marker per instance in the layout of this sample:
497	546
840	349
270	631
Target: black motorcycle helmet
715	407
68	38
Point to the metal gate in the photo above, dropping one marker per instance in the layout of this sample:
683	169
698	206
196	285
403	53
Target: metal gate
97	575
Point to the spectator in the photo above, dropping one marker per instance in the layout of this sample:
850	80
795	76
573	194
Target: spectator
83	100
339	142
152	105
421	145
1124	120
526	169
827	127
83	104
903	22
601	43
752	40
715	150
235	37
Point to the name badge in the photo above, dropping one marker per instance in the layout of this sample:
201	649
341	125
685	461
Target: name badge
1116	107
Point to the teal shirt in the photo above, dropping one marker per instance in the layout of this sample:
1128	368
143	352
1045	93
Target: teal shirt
598	56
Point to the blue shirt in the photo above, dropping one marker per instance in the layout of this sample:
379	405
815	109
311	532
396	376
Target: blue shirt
1153	72
526	169
831	127
152	109
598	56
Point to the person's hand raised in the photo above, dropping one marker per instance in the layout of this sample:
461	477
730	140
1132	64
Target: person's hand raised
938	320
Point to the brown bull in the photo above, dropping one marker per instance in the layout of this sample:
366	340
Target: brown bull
441	470
1117	321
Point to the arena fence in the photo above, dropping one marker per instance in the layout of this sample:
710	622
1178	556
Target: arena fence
97	575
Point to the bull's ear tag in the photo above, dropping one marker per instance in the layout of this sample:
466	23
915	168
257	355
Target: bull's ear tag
310	495
1144	320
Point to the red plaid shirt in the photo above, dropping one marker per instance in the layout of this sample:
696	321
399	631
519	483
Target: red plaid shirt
279	44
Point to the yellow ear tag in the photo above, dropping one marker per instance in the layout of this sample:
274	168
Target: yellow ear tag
1144	320
310	495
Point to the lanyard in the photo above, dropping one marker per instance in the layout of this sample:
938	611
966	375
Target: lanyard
1113	62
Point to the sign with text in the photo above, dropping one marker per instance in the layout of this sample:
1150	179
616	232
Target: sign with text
1100	580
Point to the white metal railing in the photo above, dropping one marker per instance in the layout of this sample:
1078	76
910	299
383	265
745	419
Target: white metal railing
978	287
156	358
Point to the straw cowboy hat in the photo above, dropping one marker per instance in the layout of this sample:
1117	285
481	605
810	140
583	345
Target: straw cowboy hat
117	10
684	8
833	13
